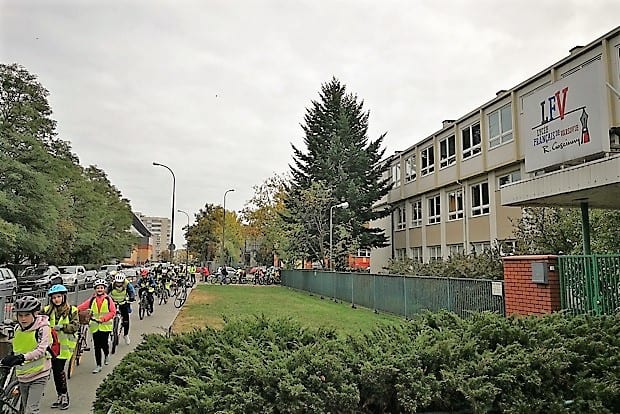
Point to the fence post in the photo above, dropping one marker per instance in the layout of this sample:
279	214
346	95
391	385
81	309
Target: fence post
374	293
449	295
333	275
352	301
405	296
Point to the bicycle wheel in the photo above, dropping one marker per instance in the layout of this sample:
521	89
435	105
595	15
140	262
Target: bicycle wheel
71	366
166	295
114	336
142	309
181	298
12	398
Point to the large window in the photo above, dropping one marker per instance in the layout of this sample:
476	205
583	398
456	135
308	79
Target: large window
401	221
363	253
428	161
434	253
434	209
456	249
396	175
500	126
416	213
480	247
471	140
511	177
480	199
447	152
416	254
410	172
455	204
401	254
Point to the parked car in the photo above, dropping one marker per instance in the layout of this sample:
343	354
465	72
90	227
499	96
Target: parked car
89	277
104	271
36	277
8	282
72	275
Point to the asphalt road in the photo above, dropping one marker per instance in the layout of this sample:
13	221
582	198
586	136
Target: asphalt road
84	383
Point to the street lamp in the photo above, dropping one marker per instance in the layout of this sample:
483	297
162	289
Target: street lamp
174	182
331	230
224	224
186	242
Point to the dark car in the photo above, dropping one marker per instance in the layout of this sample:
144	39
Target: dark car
37	277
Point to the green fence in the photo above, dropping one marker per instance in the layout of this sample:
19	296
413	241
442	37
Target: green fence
401	295
590	283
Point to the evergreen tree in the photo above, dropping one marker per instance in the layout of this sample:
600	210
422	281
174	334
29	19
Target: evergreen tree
341	157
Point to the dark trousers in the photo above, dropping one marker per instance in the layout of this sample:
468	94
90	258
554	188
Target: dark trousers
124	310
60	376
100	340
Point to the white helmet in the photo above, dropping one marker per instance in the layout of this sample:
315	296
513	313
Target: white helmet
100	282
119	277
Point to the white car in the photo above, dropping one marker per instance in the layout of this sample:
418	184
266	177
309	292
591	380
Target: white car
72	275
8	282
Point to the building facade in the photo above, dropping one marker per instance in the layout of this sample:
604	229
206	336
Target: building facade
160	230
453	191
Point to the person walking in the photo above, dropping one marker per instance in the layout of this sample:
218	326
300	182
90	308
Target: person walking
102	310
63	318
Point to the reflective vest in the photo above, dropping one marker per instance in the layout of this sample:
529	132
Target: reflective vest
24	342
98	313
119	296
67	341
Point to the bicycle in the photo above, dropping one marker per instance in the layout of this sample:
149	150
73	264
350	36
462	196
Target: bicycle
182	294
144	306
162	293
117	328
10	399
81	344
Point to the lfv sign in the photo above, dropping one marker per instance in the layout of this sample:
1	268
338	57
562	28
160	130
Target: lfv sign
566	120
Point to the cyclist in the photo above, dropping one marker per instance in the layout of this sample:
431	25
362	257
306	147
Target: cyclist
102	312
64	319
30	358
148	284
122	292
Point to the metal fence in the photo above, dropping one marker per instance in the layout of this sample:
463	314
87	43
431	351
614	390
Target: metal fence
401	295
590	283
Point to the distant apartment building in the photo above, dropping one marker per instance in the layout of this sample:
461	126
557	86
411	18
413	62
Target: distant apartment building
160	229
460	189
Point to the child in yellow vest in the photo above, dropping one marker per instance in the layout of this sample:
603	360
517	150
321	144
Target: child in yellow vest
64	319
31	359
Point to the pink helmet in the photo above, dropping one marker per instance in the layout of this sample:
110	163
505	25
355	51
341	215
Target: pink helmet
144	271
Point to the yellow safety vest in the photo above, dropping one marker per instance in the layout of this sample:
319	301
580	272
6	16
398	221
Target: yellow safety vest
98	313
24	342
67	341
119	296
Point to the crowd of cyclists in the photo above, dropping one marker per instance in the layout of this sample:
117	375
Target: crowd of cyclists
45	338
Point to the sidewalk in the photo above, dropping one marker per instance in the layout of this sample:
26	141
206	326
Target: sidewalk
84	383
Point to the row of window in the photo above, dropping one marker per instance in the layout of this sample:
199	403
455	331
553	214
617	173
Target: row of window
435	253
500	132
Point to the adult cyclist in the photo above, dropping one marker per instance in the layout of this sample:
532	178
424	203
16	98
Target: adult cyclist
148	284
122	293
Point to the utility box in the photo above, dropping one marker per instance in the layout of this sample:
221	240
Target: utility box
540	272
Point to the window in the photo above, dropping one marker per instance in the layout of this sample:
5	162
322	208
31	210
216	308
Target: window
471	140
455	205
511	177
416	254
456	249
480	247
500	126
400	218
401	254
363	253
396	175
434	253
507	247
428	161
480	199
410	172
434	210
447	152
416	213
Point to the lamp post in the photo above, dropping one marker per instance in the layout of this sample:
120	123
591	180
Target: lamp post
224	224
331	230
186	242
174	182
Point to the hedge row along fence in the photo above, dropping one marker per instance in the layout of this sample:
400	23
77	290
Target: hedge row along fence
436	362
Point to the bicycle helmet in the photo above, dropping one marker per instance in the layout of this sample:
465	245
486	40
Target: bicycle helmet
100	282
119	278
144	272
27	304
57	289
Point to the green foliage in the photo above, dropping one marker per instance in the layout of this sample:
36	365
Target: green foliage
205	236
435	362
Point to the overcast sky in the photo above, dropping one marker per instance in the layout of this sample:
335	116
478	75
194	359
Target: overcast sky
217	90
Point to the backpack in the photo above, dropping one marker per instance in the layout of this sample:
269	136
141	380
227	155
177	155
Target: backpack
54	348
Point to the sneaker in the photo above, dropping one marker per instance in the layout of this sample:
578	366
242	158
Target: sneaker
57	403
127	340
97	369
65	402
106	360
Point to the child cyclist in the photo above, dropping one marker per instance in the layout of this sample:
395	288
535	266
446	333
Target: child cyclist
102	311
64	319
30	358
123	293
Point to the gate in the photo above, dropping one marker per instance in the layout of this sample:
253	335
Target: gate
590	283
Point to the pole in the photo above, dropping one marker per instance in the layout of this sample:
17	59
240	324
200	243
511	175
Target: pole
585	228
224	224
174	183
186	242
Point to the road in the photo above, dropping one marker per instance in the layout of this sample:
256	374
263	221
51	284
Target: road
84	383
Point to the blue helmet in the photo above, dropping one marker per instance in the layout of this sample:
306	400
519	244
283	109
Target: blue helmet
57	289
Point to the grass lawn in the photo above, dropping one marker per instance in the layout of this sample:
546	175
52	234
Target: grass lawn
208	305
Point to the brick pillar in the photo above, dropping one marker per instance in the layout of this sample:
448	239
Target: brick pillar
524	297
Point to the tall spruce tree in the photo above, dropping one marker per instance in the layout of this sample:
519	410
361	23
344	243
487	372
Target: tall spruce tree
340	156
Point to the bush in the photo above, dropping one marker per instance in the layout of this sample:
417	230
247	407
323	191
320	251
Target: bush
435	362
